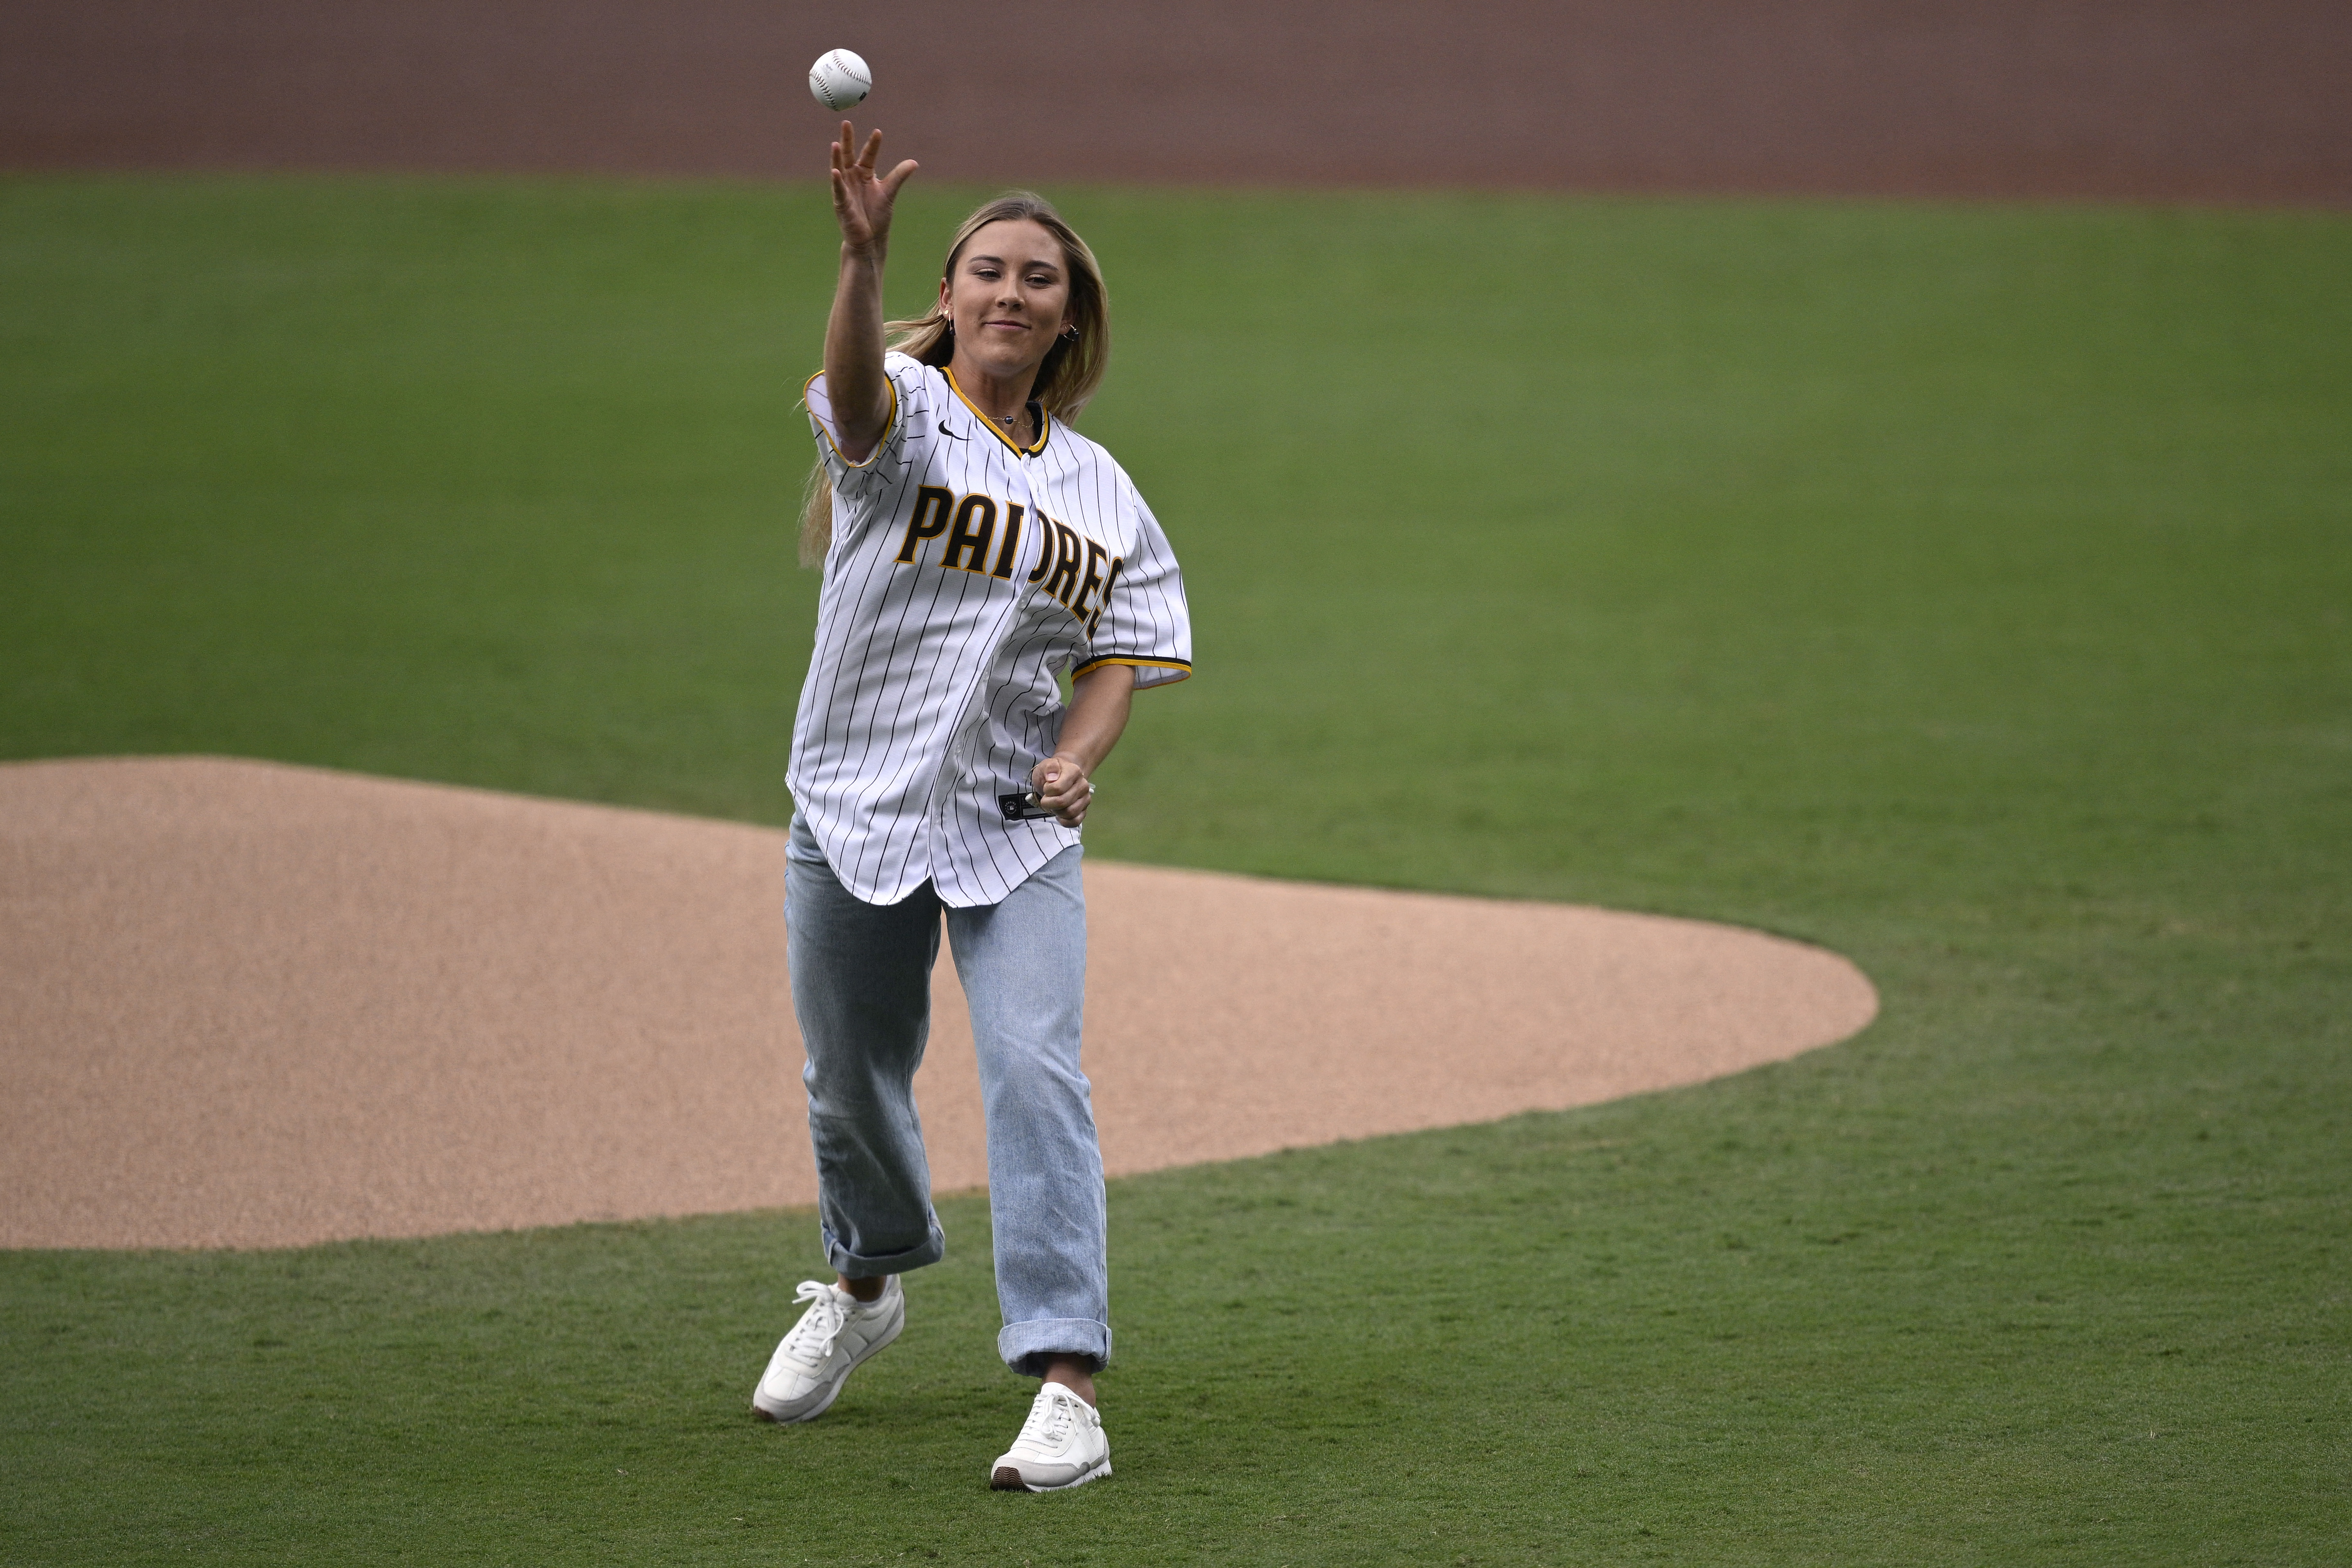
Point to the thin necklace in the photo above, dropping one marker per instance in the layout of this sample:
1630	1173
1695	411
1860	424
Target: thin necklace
1016	427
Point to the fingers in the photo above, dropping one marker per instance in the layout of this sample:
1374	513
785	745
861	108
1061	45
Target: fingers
853	168
860	200
1063	788
847	154
856	226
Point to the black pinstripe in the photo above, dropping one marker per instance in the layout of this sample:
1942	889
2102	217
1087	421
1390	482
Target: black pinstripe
932	690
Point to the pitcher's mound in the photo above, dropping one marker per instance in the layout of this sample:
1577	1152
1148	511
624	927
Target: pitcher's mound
248	1005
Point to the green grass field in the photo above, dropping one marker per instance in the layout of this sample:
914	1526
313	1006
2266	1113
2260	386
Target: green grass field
1964	588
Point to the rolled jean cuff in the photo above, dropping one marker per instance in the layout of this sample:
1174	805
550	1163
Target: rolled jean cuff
851	1265
1025	1346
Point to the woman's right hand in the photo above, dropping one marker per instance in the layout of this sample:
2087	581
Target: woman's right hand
861	200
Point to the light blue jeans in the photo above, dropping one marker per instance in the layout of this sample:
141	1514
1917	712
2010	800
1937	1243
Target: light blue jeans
861	991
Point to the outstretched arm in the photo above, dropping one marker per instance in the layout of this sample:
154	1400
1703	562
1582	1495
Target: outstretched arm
853	336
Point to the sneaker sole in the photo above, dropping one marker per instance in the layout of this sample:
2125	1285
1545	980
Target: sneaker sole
834	1393
1008	1479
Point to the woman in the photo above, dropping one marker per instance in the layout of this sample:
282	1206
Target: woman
974	548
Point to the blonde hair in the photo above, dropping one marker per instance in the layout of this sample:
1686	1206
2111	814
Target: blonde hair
1067	381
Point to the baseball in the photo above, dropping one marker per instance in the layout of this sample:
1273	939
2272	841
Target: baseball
840	79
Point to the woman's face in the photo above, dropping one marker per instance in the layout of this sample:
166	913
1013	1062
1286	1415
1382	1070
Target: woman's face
1009	294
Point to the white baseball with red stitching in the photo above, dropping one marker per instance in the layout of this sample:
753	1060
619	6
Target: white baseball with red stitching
840	80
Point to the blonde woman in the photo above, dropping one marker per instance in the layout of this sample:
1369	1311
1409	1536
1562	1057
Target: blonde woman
974	548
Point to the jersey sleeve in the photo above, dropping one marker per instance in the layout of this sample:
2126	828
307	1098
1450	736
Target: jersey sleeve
854	481
1143	620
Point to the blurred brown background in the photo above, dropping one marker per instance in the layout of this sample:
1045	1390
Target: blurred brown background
2164	98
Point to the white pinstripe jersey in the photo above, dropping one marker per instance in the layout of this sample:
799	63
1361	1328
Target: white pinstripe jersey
964	573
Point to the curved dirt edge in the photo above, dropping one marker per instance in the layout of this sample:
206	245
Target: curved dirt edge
244	1004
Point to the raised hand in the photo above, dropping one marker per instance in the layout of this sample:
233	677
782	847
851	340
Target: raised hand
861	200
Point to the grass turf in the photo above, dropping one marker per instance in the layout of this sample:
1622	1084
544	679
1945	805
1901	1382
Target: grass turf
1963	587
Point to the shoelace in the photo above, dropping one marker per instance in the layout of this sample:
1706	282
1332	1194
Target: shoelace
1050	1419
812	1338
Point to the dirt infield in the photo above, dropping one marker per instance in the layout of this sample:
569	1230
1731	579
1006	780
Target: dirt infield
2188	99
250	1005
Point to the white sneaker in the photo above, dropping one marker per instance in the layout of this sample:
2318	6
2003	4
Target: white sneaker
837	1332
1061	1445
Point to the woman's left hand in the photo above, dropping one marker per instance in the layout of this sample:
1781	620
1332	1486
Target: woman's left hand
1063	788
1098	707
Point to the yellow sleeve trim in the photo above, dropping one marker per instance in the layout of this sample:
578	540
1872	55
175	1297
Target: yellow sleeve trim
1184	671
881	442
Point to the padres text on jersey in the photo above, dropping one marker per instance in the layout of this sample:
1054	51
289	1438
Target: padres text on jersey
965	573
